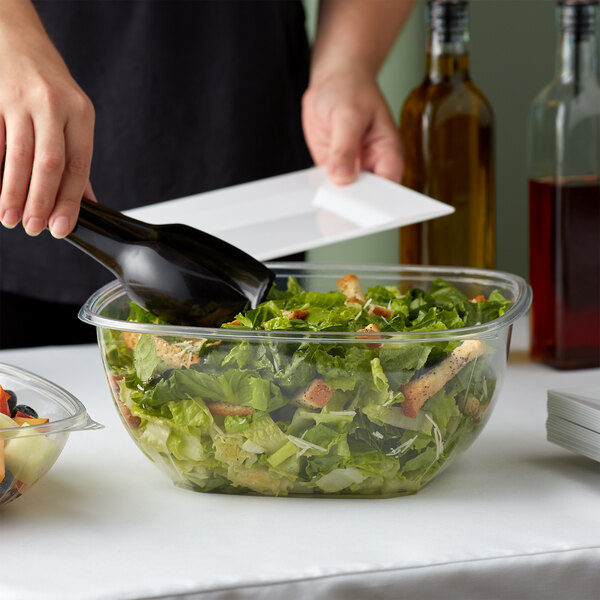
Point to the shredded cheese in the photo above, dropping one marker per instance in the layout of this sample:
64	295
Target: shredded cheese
402	448
393	397
304	445
437	436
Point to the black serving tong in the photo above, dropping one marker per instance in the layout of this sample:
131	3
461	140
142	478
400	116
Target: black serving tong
178	273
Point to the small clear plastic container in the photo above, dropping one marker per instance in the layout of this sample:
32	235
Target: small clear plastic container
28	451
309	413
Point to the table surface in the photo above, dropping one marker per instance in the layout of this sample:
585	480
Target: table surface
514	517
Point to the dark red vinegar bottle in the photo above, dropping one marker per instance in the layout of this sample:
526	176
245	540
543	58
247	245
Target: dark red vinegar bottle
564	198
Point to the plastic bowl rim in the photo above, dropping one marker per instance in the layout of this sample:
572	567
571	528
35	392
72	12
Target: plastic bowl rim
77	420
114	289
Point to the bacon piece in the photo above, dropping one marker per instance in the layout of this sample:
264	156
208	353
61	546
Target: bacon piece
380	311
370	329
132	421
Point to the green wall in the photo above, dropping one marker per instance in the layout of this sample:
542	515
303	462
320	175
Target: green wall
512	57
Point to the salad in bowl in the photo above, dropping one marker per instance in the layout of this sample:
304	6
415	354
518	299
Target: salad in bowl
361	381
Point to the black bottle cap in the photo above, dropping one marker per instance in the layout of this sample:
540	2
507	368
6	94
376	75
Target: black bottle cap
449	18
578	16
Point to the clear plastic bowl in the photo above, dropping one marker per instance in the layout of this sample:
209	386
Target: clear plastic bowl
27	452
364	441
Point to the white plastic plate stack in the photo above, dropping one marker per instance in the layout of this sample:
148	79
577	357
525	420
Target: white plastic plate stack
574	420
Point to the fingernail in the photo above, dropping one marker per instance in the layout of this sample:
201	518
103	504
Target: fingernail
343	175
11	218
34	226
59	227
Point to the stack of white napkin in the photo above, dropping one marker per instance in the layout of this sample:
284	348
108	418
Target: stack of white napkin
574	420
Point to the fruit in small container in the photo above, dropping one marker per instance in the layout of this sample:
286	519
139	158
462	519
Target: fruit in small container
36	417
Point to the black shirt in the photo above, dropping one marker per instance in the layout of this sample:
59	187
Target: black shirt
189	96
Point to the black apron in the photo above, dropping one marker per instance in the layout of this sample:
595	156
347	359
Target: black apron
189	96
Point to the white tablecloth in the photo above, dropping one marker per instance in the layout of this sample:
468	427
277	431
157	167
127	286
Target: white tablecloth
514	517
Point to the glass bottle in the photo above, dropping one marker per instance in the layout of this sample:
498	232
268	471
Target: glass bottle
564	198
447	129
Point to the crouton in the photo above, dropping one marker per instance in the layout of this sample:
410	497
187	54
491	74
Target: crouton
368	330
418	391
475	408
295	314
380	311
131	339
316	395
227	409
350	287
175	355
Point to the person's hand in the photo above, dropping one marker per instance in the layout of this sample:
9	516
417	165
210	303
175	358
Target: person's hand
348	127
347	123
46	126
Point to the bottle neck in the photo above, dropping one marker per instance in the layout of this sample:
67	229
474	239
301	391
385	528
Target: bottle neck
448	40
577	59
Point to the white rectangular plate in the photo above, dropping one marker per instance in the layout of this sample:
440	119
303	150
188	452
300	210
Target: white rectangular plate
274	217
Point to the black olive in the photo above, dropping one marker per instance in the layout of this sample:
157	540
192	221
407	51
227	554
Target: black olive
12	403
26	410
6	486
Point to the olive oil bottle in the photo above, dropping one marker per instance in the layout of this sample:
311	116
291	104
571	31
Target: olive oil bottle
447	128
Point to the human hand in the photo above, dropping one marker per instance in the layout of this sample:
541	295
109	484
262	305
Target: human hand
348	127
46	123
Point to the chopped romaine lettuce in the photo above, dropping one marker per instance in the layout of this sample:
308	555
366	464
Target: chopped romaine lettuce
247	416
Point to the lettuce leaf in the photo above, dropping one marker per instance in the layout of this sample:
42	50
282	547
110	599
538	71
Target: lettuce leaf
243	388
145	359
